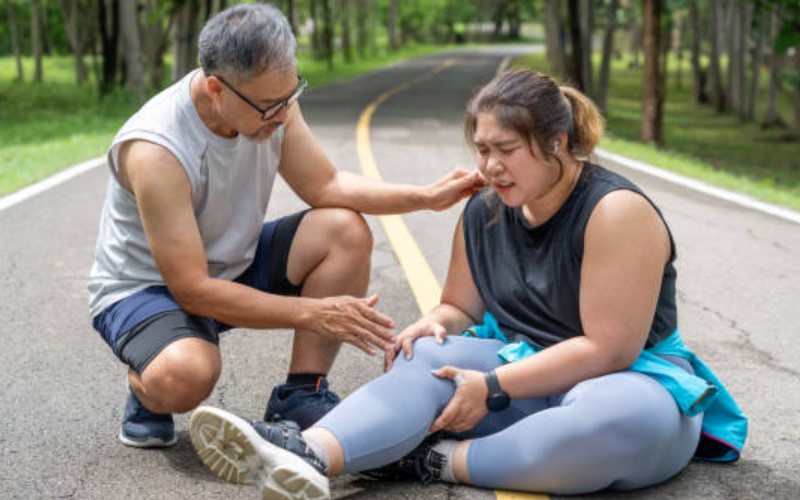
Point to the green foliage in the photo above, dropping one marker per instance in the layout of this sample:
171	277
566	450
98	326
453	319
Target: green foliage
48	126
721	150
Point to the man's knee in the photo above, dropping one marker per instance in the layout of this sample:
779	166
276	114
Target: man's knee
181	376
349	229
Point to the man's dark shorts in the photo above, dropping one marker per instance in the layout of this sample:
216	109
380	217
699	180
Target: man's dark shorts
140	326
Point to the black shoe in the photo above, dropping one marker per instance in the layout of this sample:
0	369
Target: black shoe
304	405
273	456
421	464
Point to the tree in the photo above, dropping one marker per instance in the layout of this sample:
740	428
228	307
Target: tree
185	40
715	91
36	39
575	66
347	48
554	41
327	33
158	21
129	22
108	21
73	12
608	46
699	95
392	25
15	45
749	111
771	116
653	78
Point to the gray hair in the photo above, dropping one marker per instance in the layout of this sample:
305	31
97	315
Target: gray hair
247	40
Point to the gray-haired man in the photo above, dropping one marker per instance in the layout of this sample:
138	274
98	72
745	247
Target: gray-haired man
183	252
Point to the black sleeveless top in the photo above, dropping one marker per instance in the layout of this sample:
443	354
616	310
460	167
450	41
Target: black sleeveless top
529	277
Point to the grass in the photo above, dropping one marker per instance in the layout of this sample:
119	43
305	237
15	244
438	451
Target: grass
719	150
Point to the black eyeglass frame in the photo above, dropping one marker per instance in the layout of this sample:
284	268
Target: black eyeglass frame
271	111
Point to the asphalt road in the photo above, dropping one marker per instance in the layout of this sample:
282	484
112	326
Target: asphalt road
62	392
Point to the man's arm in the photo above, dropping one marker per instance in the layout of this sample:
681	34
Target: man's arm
163	194
309	172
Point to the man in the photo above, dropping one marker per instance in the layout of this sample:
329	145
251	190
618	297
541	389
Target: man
183	252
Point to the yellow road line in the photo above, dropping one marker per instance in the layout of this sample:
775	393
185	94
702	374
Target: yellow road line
423	283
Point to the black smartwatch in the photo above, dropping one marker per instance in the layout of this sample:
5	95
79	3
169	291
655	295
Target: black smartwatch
497	399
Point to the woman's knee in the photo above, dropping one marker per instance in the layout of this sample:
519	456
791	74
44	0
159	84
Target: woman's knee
183	374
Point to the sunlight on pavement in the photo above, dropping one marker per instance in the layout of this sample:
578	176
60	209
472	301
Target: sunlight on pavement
423	283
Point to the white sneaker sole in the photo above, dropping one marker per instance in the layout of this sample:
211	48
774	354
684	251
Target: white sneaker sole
232	450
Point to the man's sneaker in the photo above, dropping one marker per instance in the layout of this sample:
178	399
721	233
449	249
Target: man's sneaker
142	428
421	464
304	405
273	456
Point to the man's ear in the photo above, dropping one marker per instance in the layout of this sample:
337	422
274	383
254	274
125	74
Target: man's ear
213	86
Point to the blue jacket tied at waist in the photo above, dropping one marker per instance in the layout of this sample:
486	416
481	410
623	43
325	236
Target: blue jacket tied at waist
724	425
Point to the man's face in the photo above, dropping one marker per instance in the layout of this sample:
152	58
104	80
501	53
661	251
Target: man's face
257	106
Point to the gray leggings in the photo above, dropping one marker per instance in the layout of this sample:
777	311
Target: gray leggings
620	431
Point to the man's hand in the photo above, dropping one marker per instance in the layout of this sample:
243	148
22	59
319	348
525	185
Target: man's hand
467	407
353	320
451	188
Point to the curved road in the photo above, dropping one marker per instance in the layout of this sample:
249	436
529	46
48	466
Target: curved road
62	393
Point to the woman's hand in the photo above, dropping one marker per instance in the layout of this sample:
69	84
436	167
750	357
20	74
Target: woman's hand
467	407
405	340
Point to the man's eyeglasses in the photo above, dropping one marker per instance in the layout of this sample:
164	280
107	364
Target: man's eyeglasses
271	111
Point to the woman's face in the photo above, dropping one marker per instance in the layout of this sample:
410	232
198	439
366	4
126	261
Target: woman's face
514	168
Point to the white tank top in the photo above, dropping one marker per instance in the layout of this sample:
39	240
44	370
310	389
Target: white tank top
231	183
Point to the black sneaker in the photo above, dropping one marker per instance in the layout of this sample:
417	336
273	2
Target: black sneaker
304	405
272	456
142	428
422	464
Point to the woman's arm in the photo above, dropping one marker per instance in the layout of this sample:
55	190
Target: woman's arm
460	305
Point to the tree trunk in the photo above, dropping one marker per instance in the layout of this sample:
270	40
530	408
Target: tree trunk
587	30
316	43
652	88
73	11
291	15
739	19
797	93
109	38
347	48
394	21
755	73
129	22
771	116
36	39
327	33
608	46
12	21
554	42
155	36
699	95
185	43
678	32
635	34
576	75
514	20
715	91
362	31
498	16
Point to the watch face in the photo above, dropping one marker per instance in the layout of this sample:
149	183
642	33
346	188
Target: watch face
497	402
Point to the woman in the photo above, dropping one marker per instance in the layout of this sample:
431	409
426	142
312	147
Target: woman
574	377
